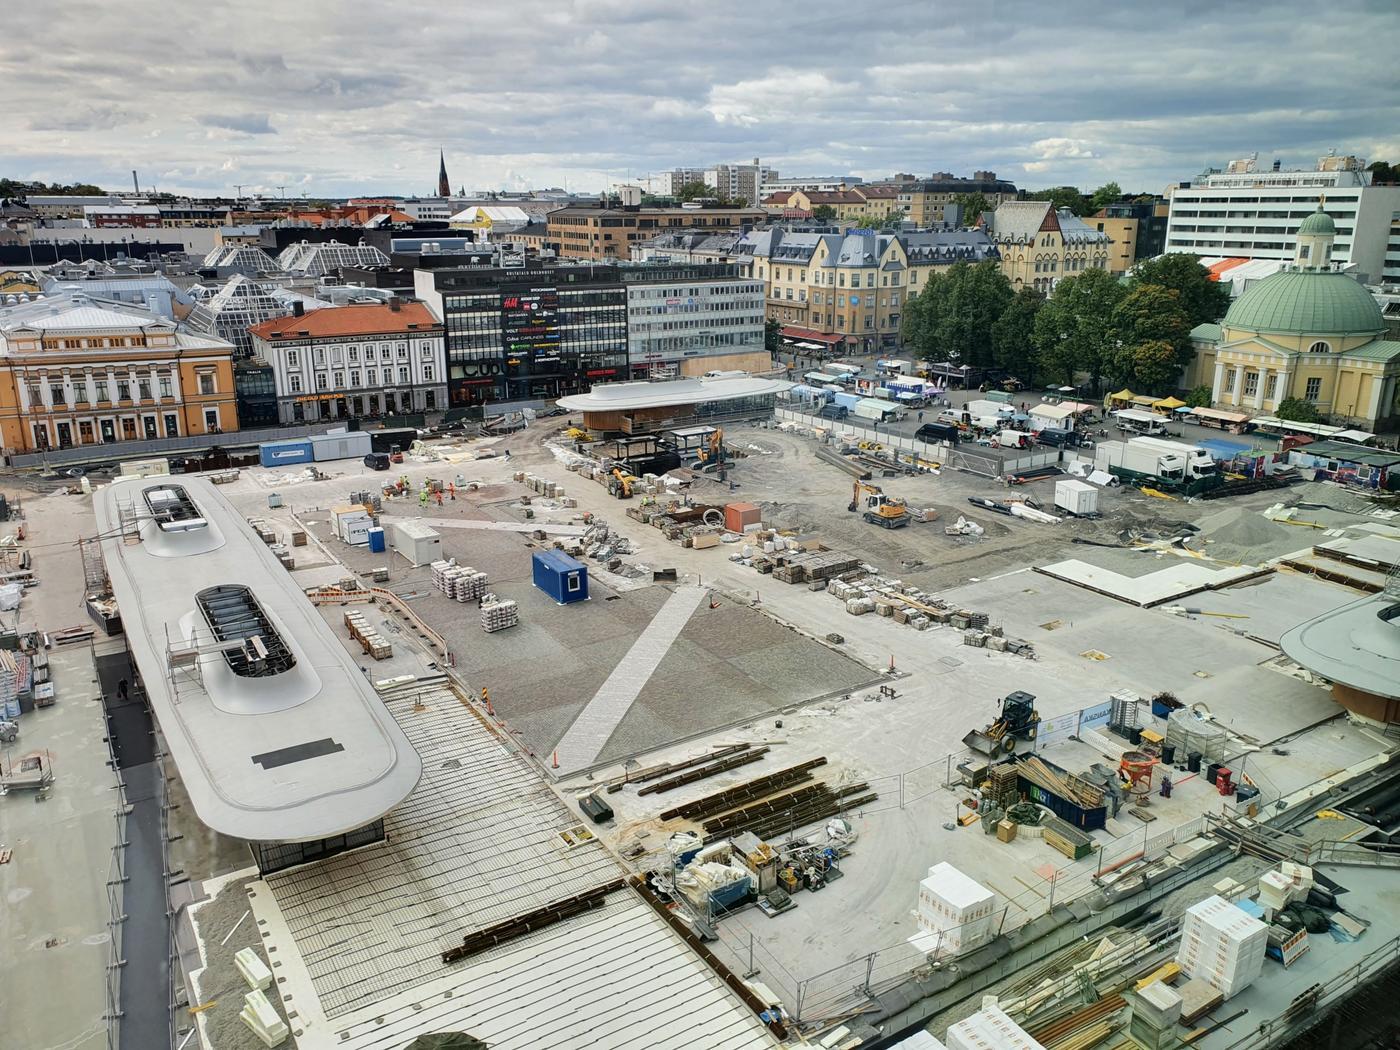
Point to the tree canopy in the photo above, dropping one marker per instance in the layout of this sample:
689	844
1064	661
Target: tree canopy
972	205
1013	335
1298	410
1076	329
1204	300
825	212
18	188
1062	197
1383	171
1104	196
953	317
772	335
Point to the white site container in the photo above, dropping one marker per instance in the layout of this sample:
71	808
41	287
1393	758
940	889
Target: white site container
959	909
416	540
1077	497
353	525
989	1029
339	444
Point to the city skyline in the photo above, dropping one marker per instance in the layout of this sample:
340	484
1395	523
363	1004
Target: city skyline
596	92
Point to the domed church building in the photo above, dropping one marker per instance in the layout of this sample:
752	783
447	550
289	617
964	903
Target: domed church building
1309	332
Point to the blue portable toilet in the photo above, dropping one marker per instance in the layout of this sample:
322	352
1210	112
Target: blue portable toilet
563	578
280	453
376	540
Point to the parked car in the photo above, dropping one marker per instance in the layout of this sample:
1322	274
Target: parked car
377	461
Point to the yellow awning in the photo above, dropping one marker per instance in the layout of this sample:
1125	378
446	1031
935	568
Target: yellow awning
1169	403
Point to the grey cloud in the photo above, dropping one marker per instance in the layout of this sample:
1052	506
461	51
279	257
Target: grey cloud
249	123
87	118
591	89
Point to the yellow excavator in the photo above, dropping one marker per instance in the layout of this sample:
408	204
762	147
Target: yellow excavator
714	456
889	512
620	483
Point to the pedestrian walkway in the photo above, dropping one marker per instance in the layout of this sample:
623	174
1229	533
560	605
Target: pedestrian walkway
600	717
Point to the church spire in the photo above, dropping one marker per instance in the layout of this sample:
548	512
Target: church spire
444	187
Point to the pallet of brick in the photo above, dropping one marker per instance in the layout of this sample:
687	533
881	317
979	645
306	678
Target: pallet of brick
1222	944
989	1029
298	537
499	615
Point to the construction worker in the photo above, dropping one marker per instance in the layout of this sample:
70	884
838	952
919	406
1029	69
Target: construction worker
438	493
423	499
452	491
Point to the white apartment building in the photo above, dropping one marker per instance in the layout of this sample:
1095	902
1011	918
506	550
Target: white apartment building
1247	213
352	361
695	320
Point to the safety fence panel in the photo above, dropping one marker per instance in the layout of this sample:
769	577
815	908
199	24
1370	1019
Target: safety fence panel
1093	717
1053	730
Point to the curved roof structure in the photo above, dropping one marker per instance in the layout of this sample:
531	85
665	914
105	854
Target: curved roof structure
1307	302
276	732
1319	223
626	397
1357	645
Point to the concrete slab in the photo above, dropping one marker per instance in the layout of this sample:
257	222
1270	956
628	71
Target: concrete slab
1170	583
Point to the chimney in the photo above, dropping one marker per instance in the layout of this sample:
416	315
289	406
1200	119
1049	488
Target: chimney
298	308
395	303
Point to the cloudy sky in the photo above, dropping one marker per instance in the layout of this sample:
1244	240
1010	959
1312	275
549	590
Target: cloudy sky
341	97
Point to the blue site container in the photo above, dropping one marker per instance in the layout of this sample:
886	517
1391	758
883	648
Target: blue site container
280	453
563	578
376	540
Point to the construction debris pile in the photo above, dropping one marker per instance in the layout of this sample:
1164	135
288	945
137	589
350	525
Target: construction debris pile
864	590
738	857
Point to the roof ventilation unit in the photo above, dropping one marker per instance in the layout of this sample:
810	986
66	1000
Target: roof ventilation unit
235	616
173	510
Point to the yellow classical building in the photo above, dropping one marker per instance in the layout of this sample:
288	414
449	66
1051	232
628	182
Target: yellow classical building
81	371
1040	246
1308	332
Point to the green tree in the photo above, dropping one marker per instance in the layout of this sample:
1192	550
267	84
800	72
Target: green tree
1104	196
1204	300
878	222
1149	314
824	212
1075	329
1382	171
1199	397
1150	365
1013	335
695	190
772	335
1298	410
952	318
1062	197
972	205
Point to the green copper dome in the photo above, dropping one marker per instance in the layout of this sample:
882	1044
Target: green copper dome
1307	302
1319	222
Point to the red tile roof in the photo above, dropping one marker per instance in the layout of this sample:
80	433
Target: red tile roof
877	192
781	197
334	321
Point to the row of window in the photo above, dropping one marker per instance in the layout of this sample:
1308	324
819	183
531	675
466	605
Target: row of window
58	393
336	380
351	353
822	277
67	433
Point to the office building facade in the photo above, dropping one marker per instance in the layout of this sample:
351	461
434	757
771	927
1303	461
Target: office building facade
521	333
1244	212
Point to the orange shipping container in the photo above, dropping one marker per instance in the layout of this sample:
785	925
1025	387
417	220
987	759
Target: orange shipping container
740	516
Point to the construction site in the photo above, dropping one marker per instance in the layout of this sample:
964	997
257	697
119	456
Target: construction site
752	735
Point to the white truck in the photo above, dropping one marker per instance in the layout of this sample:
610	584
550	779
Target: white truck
1164	464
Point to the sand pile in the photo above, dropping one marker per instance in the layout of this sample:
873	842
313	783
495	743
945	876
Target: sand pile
1239	535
